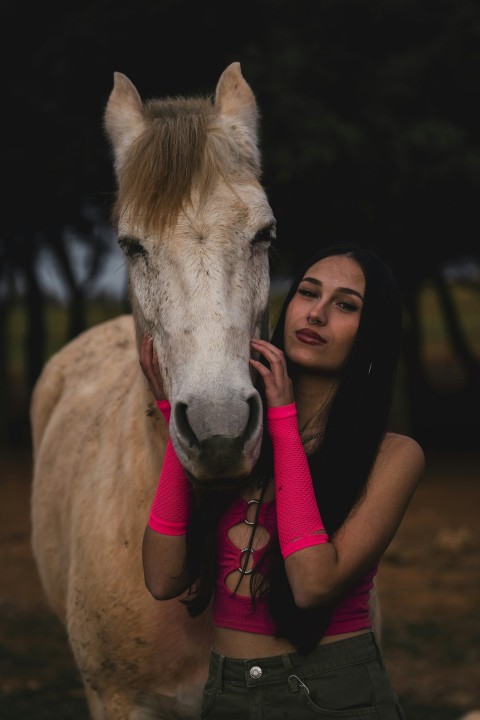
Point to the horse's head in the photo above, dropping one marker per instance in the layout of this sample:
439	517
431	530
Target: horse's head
195	226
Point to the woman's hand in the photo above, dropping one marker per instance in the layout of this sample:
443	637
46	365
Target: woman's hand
277	383
149	365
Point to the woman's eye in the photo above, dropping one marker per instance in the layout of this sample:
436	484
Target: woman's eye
347	306
132	248
307	293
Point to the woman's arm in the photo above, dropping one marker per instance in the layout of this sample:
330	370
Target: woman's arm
322	568
164	546
163	564
322	572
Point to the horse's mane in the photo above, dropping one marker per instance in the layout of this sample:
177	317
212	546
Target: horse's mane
182	148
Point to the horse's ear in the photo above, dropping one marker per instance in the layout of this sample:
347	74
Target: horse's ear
237	106
123	117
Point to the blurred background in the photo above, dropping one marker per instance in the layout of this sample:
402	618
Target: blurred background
370	131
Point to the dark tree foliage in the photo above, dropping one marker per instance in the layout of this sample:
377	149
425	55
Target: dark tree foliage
370	131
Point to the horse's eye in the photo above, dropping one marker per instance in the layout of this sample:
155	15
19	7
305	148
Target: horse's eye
265	235
131	247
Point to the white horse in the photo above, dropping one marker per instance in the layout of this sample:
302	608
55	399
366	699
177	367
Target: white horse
195	225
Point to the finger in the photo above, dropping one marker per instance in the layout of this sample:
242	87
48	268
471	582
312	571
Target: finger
264	345
268	350
144	350
148	354
147	361
156	369
155	372
262	369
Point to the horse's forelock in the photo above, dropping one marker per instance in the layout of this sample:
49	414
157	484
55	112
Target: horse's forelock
183	148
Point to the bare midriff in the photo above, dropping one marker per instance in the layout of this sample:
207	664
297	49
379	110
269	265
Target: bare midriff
246	645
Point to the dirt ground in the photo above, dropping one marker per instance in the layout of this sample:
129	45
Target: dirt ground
429	582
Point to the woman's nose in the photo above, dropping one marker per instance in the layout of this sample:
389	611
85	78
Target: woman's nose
317	316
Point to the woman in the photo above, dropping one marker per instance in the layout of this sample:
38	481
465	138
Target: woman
293	634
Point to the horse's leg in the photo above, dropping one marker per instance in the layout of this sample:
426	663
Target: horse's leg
165	708
95	705
107	705
115	705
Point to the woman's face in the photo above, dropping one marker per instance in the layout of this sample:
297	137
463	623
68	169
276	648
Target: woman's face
323	316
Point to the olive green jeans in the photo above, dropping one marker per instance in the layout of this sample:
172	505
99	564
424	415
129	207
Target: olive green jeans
344	679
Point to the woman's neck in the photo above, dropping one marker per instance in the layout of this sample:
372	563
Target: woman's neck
313	397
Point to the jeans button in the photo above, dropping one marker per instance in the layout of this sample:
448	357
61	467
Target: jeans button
255	672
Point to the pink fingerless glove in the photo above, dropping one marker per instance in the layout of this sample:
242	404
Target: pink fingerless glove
171	506
298	518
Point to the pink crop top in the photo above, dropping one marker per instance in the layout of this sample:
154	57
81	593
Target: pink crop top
234	611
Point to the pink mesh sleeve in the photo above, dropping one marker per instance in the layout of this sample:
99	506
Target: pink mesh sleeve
171	506
298	518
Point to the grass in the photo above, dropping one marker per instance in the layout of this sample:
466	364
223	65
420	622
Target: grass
467	303
57	327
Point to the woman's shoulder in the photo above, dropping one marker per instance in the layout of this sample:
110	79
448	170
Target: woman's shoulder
397	443
402	455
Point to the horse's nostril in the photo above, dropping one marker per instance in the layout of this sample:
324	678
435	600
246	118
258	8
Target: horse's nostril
183	426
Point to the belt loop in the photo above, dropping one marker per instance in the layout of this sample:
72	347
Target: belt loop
221	659
287	662
293	680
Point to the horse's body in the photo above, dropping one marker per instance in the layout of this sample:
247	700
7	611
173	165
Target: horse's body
194	224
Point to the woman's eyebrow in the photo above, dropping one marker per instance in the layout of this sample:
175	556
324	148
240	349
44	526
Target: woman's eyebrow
349	291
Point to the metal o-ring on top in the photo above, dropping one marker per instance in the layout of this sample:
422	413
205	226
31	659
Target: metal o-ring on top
240	569
245	520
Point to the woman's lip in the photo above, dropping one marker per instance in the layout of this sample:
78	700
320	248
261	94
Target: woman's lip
309	336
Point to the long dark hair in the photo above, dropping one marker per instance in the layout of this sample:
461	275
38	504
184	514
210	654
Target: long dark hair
340	466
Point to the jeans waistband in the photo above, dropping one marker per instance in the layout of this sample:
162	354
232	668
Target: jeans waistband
324	658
